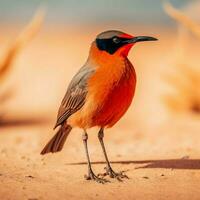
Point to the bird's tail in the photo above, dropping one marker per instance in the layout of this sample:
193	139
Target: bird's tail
58	140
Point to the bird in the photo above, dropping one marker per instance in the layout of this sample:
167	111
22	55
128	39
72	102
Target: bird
98	95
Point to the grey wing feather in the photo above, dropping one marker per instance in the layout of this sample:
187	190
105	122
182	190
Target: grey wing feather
75	96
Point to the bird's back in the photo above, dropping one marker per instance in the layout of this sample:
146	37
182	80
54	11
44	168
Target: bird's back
75	96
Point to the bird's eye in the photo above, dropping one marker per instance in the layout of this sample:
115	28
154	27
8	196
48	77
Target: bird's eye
116	40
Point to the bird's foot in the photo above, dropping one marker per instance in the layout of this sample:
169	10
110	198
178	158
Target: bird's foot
92	176
109	171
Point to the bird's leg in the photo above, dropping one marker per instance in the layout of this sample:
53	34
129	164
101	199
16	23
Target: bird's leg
109	170
91	175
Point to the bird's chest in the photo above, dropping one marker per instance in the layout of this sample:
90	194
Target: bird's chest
113	95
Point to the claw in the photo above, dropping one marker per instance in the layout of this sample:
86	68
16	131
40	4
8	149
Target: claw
92	176
119	176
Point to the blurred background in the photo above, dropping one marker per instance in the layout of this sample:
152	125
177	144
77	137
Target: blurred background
44	43
42	70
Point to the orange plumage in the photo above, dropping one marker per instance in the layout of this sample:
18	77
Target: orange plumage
110	90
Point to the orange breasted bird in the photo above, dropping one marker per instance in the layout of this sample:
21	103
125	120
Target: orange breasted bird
99	94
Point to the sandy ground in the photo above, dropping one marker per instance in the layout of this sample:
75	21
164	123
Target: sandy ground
159	151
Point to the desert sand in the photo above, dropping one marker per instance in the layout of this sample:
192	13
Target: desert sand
158	150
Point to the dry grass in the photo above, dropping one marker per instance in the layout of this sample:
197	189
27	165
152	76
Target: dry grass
23	38
184	80
14	49
182	19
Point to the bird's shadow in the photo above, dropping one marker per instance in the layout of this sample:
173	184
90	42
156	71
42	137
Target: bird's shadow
167	163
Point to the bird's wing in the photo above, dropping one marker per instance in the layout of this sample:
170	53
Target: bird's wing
75	96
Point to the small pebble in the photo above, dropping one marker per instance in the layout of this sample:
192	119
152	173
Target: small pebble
185	157
32	199
29	176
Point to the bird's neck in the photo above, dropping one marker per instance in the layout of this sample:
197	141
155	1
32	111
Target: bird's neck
110	68
102	58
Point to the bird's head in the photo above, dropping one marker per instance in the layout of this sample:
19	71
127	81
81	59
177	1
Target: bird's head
118	43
